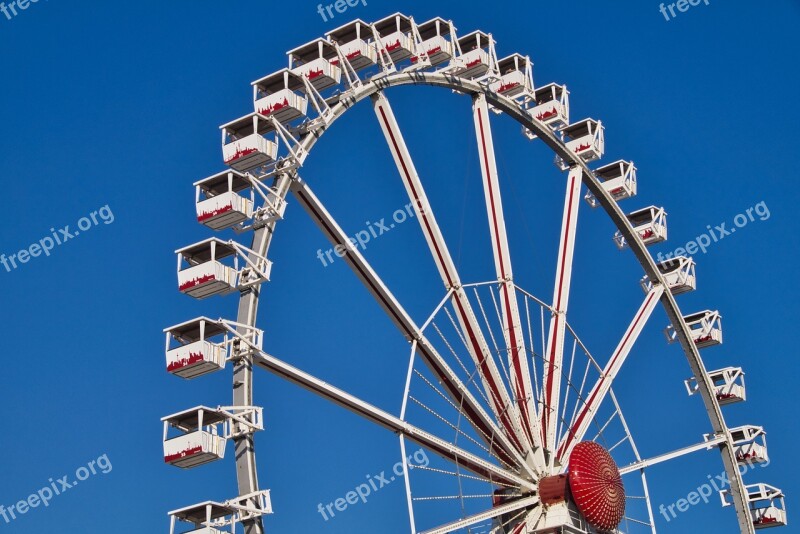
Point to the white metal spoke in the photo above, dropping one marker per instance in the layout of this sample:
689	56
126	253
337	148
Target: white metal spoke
491	378
555	338
474	412
609	374
512	325
407	480
641	464
380	417
483	516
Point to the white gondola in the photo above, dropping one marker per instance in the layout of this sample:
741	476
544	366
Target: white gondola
314	61
201	273
228	199
244	146
206	518
477	55
398	36
516	78
767	506
678	273
585	139
198	435
705	328
218	200
199	440
750	444
281	95
551	106
650	223
212	517
196	347
356	43
728	385
618	179
437	41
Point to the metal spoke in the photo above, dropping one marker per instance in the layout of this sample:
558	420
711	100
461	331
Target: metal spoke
500	401
609	374
483	516
555	338
512	325
500	444
380	417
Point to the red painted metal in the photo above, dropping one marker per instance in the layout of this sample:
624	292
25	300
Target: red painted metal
596	485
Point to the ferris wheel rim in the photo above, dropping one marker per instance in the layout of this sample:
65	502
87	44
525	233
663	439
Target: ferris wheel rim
547	135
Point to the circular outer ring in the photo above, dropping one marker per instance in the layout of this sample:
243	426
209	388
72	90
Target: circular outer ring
596	486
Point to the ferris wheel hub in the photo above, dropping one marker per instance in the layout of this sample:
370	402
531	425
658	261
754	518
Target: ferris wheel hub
596	485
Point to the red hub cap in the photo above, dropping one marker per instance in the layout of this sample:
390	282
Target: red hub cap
596	486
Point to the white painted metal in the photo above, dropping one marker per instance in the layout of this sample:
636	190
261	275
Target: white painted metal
705	328
483	516
767	506
438	36
551	395
512	325
550	107
504	409
706	445
679	275
314	128
196	347
612	210
729	386
221	518
356	43
244	146
280	95
751	444
477	56
618	179
201	274
407	480
474	413
455	454
314	62
586	139
203	433
516	78
398	37
650	224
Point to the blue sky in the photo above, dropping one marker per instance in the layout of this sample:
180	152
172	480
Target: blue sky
118	105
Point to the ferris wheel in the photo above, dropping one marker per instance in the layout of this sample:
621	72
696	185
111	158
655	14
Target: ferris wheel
521	418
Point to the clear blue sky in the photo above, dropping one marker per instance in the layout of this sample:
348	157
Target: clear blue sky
119	104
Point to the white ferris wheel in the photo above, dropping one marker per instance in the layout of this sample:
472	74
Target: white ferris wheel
520	416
